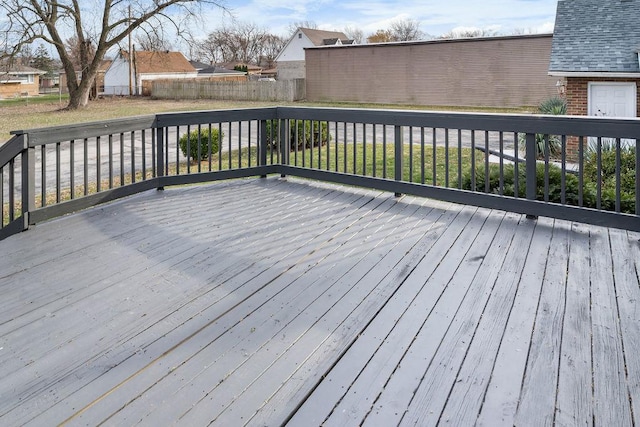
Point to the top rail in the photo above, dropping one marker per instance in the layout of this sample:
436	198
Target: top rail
577	168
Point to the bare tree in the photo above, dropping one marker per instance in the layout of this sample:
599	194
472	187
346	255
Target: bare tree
403	30
272	46
380	36
47	20
293	26
354	34
241	42
76	50
153	39
468	33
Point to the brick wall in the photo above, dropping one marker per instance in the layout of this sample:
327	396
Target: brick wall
577	93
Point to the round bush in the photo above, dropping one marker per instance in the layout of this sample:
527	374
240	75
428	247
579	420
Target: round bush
202	139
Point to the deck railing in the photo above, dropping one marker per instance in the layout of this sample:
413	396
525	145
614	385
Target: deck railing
576	168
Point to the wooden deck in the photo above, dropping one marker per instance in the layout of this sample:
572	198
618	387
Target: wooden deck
273	301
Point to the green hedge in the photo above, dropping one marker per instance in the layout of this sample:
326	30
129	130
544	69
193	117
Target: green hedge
203	137
306	133
608	202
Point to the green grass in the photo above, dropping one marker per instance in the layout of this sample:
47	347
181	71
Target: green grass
47	110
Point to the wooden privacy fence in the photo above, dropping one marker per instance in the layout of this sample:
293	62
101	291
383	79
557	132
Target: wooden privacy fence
280	90
496	161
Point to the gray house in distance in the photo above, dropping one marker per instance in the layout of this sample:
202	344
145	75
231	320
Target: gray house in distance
595	54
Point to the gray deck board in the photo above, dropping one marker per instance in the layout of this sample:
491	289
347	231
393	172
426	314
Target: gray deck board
263	302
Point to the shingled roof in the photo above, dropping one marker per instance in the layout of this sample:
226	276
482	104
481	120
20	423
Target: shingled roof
596	36
149	62
321	37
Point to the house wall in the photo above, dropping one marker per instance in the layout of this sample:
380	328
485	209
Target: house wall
290	70
13	90
577	93
116	78
294	50
494	72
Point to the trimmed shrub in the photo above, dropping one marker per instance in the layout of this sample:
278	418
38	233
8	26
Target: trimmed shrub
302	133
589	189
201	139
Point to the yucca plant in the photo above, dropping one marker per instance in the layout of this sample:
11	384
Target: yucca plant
554	106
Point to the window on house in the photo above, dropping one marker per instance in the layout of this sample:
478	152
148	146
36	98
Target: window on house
299	35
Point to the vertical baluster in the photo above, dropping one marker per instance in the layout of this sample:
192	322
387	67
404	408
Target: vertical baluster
344	146
250	123
132	139
516	166
110	142
618	167
486	162
422	155
58	176
398	155
547	143
355	149
599	173
189	154
581	171
434	157
410	154
328	145
311	142
155	162
43	175
12	189
72	184
473	160
446	157
239	144
143	146
121	159
220	142
501	167
178	149
210	147
563	166
364	149
319	138
460	158
229	139
98	164
374	153
336	146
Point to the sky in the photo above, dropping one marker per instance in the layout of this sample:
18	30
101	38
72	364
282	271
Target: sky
436	17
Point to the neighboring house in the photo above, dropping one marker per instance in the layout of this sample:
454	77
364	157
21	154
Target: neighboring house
291	59
19	80
508	71
595	54
216	72
145	67
98	84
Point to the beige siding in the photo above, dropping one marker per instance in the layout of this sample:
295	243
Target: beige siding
14	90
497	72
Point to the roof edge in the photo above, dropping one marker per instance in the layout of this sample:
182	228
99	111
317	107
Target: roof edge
612	74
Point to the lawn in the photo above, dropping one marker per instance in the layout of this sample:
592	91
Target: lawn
30	113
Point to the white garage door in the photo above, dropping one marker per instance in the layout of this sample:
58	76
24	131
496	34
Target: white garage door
612	99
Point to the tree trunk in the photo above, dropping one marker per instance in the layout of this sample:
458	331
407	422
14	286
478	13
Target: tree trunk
79	98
